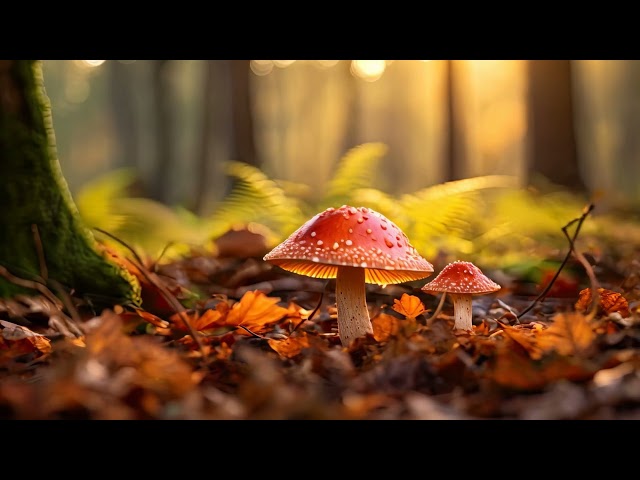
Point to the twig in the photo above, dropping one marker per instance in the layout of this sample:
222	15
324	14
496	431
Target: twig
40	251
171	299
314	310
252	333
587	210
154	265
72	323
438	308
30	284
595	296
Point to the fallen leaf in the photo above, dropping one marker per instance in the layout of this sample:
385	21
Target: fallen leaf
609	302
515	370
525	339
290	347
409	305
255	310
16	340
384	326
569	334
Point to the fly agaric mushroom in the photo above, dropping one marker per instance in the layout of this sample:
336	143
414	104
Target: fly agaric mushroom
355	246
461	280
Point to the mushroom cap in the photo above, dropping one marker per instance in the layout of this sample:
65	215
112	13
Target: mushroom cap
351	237
461	277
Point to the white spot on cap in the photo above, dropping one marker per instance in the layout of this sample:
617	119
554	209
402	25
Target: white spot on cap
349	242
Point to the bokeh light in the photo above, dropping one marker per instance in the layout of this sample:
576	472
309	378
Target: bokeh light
368	70
261	67
94	63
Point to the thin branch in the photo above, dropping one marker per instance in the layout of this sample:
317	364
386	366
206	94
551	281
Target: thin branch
252	333
314	310
580	220
151	277
595	296
31	285
438	308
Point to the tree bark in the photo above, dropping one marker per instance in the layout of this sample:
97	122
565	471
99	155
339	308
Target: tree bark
244	146
123	107
164	130
552	143
42	234
455	165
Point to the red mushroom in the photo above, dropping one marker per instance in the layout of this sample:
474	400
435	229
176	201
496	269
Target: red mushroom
355	246
461	280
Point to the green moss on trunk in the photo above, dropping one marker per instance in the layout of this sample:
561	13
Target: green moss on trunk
33	191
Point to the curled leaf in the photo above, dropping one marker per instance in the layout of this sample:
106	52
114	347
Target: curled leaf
609	302
409	305
291	346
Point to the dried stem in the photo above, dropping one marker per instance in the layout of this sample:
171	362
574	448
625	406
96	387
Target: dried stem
587	210
151	277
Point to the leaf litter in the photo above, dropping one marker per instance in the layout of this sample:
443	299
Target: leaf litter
230	337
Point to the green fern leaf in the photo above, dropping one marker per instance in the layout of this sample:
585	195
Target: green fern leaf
356	169
254	198
437	213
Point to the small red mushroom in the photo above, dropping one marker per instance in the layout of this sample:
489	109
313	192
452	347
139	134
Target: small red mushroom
355	246
461	280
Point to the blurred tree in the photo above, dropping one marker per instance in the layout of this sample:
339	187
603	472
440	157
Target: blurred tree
162	95
244	146
211	182
552	142
455	166
124	114
43	238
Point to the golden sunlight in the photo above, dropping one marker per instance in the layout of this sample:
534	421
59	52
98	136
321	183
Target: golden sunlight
368	70
261	67
282	63
93	63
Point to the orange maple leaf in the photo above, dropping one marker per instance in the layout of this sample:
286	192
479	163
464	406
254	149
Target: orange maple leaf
525	339
384	326
570	334
410	306
609	302
513	369
291	346
255	310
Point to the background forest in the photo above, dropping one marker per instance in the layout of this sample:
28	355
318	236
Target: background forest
187	172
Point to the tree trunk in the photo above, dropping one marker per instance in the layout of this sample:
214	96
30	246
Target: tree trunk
164	130
552	143
455	147
123	107
42	237
244	146
211	182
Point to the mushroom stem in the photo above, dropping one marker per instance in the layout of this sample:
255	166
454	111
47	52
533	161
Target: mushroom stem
351	302
462	310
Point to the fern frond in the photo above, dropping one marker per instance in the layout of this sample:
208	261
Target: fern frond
254	198
356	169
447	210
95	199
382	203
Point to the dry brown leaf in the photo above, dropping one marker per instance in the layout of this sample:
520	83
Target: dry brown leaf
255	310
609	302
384	326
409	305
147	316
514	369
569	334
16	340
524	338
291	346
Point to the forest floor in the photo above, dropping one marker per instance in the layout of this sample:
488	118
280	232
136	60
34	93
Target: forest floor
262	343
